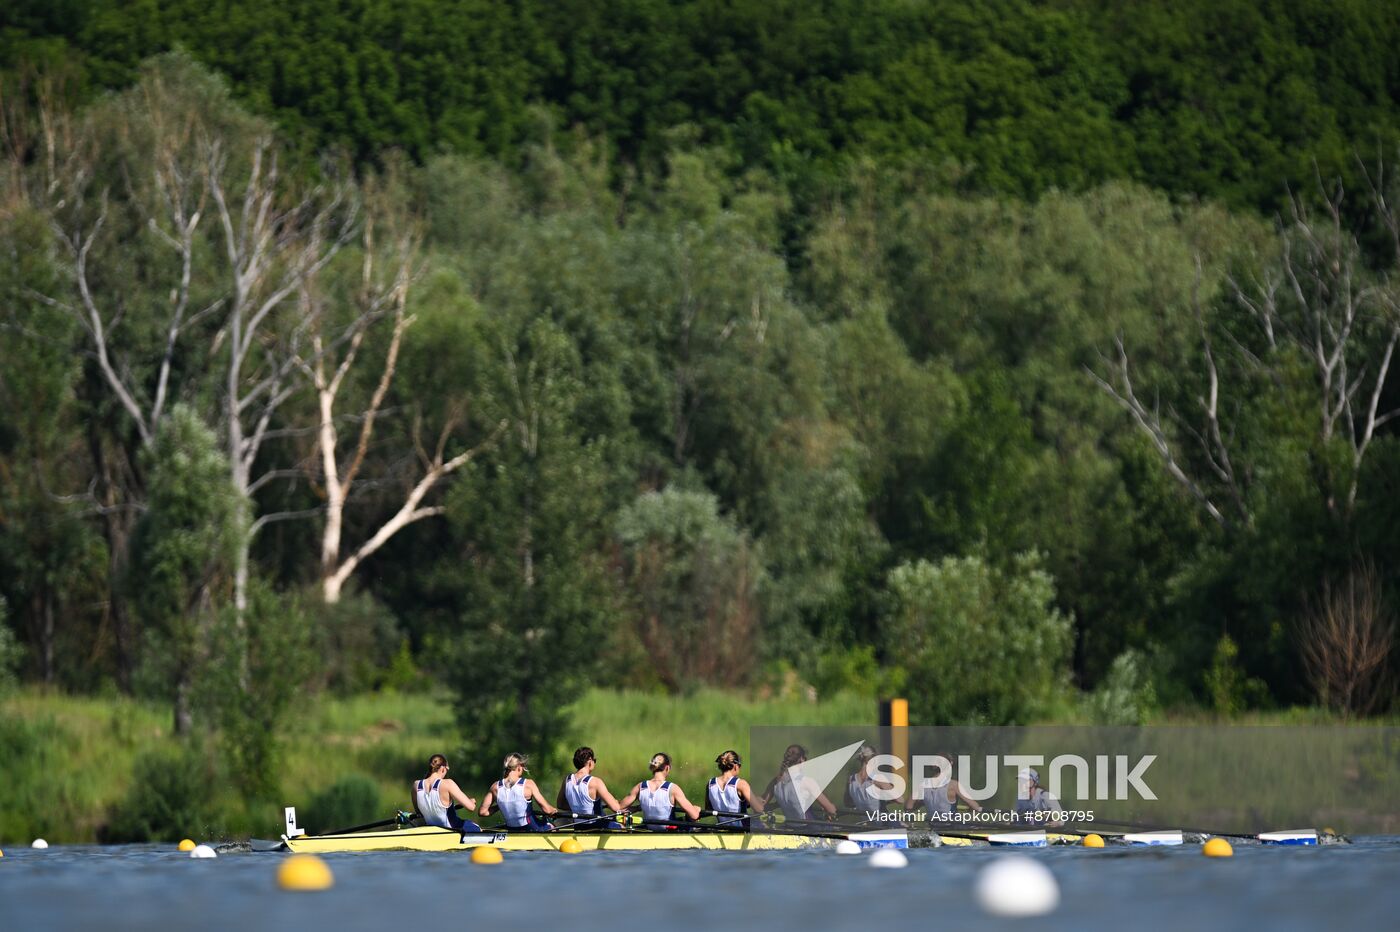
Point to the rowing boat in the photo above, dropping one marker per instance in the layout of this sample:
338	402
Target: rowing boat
430	838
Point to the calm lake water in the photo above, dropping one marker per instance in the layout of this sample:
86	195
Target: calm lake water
155	887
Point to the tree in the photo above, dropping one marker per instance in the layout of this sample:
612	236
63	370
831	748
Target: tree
185	552
692	582
1317	306
529	518
978	643
129	187
1347	636
391	238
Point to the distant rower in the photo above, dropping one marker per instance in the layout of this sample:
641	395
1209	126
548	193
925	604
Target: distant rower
730	792
584	793
791	787
658	796
1031	797
862	786
436	798
941	793
512	795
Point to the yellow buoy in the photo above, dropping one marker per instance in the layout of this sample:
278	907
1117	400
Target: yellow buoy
186	845
2	854
1092	841
487	854
570	846
1217	848
304	872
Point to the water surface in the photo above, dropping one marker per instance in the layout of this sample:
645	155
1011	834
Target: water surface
155	887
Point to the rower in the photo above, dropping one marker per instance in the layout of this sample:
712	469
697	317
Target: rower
785	788
436	798
862	785
730	792
658	796
512	795
1031	798
940	794
583	793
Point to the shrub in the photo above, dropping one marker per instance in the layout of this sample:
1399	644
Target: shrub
978	643
1127	695
168	798
11	652
351	800
27	749
692	579
1230	690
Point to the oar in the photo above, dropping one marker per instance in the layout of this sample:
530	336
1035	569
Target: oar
396	820
1169	828
677	823
578	819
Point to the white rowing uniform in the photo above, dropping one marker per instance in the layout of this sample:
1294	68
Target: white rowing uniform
862	793
514	806
576	794
933	793
430	803
723	796
1041	800
655	803
785	791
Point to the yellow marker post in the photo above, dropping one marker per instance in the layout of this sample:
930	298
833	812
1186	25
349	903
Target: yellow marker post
899	735
187	845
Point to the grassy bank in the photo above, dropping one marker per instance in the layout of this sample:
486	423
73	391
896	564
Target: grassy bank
66	761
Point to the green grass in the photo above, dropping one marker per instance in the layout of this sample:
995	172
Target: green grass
66	761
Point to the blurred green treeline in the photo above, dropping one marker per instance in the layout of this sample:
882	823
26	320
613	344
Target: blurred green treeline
1030	358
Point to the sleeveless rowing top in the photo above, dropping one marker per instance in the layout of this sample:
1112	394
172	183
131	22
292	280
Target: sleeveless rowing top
512	803
430	804
656	804
724	797
785	792
862	794
934	795
576	795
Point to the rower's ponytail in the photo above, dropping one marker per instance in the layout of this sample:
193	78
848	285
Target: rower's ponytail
511	762
660	761
436	762
728	761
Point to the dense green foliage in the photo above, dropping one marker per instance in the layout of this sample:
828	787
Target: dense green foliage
667	345
980	645
1225	100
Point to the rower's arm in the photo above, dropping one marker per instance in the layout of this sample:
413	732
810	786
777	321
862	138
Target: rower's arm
455	792
826	804
630	798
607	798
532	791
561	801
678	799
486	802
967	800
746	794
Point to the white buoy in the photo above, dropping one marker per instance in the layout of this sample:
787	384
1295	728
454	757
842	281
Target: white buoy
203	851
888	857
1017	886
846	846
40	844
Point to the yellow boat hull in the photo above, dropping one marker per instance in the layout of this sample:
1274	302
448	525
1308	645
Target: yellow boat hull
441	839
